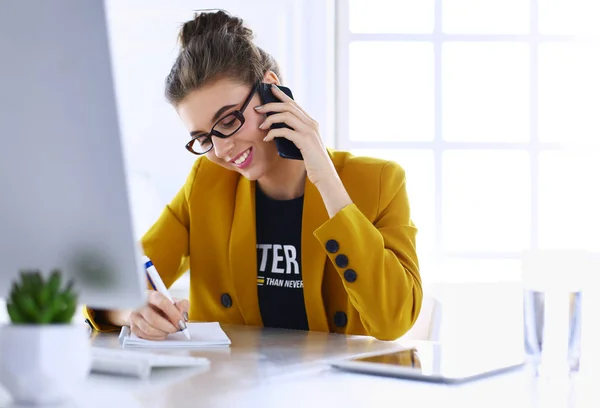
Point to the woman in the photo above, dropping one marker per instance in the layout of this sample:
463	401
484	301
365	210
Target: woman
325	243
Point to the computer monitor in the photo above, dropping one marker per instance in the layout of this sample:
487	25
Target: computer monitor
63	193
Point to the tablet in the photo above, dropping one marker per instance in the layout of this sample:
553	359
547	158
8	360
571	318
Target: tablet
435	363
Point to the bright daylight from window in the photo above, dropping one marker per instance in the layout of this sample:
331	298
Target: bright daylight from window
491	107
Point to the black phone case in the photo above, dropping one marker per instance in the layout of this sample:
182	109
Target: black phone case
286	148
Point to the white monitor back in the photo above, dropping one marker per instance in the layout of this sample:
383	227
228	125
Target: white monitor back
63	192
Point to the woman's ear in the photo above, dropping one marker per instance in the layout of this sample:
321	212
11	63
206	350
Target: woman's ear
270	77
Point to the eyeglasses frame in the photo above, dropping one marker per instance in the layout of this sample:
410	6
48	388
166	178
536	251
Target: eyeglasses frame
238	113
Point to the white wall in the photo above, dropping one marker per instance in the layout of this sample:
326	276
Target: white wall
299	34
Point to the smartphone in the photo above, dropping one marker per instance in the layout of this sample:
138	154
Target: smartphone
286	148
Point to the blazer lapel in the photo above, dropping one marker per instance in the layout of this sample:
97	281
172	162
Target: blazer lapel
242	253
313	258
243	261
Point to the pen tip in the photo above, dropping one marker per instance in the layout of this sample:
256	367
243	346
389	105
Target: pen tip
183	328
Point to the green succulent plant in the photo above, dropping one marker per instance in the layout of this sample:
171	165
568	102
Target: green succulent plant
36	300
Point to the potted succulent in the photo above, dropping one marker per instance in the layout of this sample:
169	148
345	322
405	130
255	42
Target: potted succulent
43	356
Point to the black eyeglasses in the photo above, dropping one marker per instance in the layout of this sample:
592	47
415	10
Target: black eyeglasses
223	128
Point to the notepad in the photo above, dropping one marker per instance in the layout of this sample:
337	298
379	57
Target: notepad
203	335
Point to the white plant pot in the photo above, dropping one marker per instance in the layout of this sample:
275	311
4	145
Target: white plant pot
43	364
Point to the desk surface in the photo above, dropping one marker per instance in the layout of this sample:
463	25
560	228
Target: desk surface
272	368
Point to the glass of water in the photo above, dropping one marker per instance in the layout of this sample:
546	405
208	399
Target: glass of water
542	318
552	308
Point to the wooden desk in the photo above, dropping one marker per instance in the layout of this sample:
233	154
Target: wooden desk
279	368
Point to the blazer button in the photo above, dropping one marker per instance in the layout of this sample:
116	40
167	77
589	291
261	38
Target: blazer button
350	275
340	319
341	260
332	246
226	300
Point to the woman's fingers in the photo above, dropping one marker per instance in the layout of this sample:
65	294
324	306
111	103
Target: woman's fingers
184	307
166	307
291	107
284	117
283	132
143	329
159	317
157	320
284	98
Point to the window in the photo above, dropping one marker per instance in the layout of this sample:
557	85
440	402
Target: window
491	107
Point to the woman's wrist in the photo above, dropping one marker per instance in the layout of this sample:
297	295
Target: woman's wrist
334	194
114	317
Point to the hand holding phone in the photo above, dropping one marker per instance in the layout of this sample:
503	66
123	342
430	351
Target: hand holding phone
286	148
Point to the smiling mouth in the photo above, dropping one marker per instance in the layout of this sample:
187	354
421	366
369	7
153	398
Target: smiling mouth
241	159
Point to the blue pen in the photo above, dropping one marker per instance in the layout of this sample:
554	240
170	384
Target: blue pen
158	285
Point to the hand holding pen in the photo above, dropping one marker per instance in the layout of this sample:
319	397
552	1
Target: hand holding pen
161	315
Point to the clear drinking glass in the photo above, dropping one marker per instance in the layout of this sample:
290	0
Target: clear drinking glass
540	306
552	308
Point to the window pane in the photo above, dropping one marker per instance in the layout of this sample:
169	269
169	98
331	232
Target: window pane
569	17
485	17
569	206
391	91
569	85
398	16
485	92
420	184
485	200
476	270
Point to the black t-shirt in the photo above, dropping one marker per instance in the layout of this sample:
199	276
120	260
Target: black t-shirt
278	249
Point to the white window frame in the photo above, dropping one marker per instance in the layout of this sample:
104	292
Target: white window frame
438	146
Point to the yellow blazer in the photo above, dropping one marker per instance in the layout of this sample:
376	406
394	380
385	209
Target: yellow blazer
359	268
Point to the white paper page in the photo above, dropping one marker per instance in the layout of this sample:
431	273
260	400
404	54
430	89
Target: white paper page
202	334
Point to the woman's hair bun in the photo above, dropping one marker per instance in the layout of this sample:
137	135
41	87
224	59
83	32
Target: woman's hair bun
208	23
214	45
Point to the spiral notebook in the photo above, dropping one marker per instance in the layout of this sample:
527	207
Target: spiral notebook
203	335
